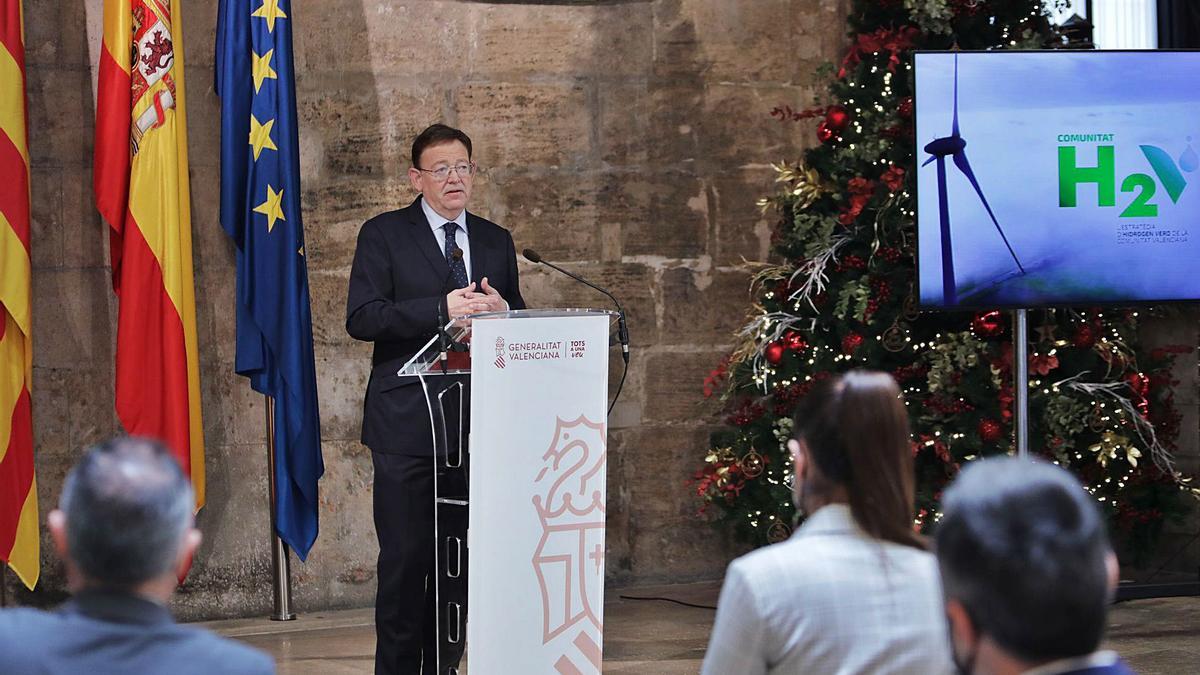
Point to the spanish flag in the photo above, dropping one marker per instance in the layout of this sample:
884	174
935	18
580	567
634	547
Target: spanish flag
18	489
141	186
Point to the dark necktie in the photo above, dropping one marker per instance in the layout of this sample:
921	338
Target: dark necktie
458	268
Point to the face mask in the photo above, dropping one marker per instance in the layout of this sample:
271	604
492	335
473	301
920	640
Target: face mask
966	664
798	497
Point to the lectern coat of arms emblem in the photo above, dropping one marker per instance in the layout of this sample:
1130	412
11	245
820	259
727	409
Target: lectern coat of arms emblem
569	558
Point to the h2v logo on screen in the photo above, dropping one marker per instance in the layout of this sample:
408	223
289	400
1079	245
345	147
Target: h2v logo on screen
1104	175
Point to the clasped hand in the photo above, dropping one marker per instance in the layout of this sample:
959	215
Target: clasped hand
470	300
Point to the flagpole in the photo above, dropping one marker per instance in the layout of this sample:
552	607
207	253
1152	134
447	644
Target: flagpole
281	568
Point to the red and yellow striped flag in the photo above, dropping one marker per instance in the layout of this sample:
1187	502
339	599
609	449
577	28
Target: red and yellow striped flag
18	489
141	186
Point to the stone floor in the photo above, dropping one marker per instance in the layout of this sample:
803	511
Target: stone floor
1158	636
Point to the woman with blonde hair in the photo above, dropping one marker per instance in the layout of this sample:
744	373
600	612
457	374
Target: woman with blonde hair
854	589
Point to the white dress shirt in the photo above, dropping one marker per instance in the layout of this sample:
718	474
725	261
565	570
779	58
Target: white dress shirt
831	600
436	221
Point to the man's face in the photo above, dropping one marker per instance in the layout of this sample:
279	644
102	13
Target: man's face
447	197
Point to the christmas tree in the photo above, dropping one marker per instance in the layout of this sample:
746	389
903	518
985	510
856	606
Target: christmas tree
843	297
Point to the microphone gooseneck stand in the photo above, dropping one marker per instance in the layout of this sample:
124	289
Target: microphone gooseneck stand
622	327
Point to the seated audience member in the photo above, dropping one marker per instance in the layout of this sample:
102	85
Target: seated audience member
1027	571
853	590
124	529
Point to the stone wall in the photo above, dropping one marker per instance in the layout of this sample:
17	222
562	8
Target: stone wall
628	139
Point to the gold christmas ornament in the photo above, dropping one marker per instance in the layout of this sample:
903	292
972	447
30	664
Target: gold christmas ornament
778	532
893	338
752	464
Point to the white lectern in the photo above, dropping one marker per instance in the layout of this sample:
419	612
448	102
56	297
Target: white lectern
533	476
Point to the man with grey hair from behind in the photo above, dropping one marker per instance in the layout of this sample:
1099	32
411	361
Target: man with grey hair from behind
1027	571
124	528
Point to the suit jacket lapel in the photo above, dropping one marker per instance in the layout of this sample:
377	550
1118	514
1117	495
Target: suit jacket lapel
426	242
479	250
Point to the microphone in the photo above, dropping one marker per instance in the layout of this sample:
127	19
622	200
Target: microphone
622	329
444	342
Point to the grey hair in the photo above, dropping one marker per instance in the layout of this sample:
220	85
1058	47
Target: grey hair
128	506
1025	549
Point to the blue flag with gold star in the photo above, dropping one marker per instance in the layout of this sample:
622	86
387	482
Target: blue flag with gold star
260	210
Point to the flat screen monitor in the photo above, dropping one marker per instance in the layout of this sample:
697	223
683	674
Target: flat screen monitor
1057	178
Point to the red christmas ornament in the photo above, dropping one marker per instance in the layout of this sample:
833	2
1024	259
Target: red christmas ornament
824	133
989	430
988	324
1139	383
851	343
774	353
837	118
1085	337
794	341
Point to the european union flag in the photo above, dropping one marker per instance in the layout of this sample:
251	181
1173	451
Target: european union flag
260	209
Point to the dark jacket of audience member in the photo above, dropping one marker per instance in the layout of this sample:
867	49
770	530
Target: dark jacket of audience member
853	590
1027	571
124	530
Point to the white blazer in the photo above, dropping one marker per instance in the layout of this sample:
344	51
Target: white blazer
831	600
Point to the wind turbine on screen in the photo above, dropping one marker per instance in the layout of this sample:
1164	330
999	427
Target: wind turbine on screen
954	146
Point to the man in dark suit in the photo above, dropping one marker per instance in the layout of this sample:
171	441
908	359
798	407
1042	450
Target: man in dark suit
124	529
1027	571
412	269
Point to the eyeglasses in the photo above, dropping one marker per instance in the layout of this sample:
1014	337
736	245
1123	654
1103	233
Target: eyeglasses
442	173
